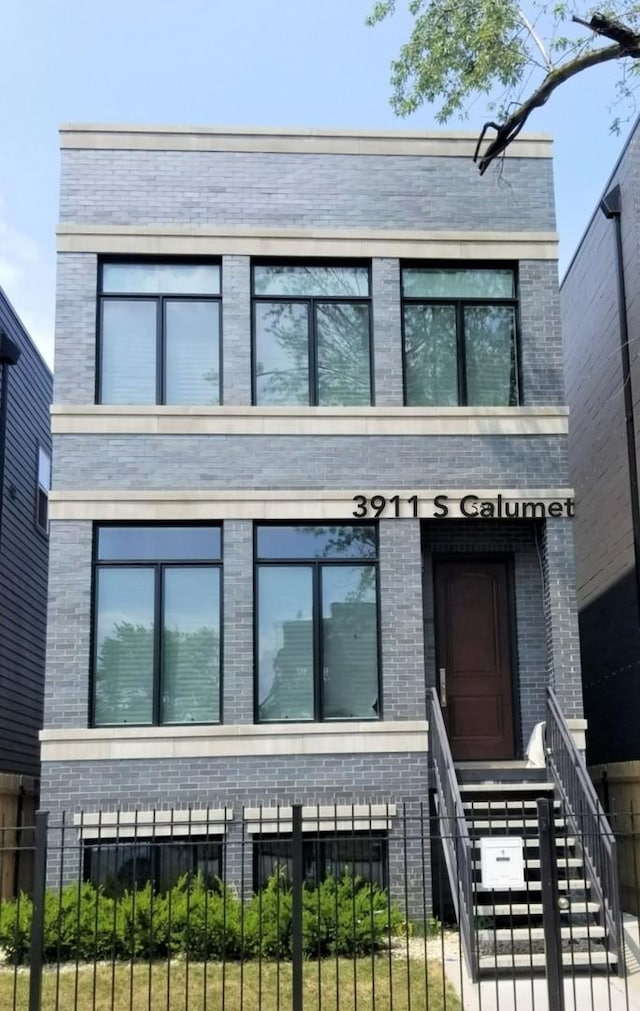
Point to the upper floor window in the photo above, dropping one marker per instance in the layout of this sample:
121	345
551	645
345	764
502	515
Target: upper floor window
159	333
459	329
312	339
44	486
157	625
317	623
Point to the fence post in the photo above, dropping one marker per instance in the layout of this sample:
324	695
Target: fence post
550	908
37	923
296	912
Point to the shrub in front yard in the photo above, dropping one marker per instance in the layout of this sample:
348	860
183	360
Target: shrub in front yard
341	916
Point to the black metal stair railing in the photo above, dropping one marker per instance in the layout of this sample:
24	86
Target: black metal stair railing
454	833
588	821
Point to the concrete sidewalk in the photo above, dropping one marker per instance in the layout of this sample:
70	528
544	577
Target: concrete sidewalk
582	993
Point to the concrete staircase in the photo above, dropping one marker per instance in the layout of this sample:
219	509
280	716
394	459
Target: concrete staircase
499	799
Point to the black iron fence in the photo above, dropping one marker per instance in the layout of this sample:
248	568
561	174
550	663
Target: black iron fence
320	909
582	807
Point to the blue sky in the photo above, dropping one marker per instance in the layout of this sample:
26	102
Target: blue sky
209	62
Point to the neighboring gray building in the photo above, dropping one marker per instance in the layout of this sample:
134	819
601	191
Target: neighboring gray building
310	449
25	466
600	299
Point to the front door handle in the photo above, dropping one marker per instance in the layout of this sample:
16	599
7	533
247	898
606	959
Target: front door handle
443	685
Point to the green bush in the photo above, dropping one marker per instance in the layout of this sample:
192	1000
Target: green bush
342	916
203	922
267	920
15	928
359	916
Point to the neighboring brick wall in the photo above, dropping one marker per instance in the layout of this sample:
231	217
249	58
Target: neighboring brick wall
595	394
599	468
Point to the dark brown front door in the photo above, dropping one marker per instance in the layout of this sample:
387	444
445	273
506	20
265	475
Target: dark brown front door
473	648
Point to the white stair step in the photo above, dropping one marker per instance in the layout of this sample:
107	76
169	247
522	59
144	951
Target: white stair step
570	959
502	804
511	809
582	933
532	841
533	908
536	886
533	863
506	787
483	823
495	763
562	841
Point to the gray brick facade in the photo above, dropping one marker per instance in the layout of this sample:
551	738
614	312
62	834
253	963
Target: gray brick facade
119	192
202	462
267	190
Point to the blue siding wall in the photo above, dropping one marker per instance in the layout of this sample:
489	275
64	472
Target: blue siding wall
24	554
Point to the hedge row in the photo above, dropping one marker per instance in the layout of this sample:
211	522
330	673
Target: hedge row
344	916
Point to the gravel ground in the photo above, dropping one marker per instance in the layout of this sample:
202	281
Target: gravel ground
444	947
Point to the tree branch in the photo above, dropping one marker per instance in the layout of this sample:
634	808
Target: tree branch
536	38
507	132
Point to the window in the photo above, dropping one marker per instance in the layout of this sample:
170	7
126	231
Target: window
311	334
159	333
157	625
122	866
44	486
323	856
460	336
317	618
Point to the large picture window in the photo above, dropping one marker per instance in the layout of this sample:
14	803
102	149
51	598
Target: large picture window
317	623
159	333
459	329
312	342
362	855
118	866
157	625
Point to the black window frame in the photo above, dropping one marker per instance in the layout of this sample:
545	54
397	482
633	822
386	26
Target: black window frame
161	300
306	562
157	844
460	304
159	567
320	841
42	493
310	301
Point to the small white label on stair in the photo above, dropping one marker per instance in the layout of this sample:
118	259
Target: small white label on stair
502	862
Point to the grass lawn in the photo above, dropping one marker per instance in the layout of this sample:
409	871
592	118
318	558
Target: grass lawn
363	985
